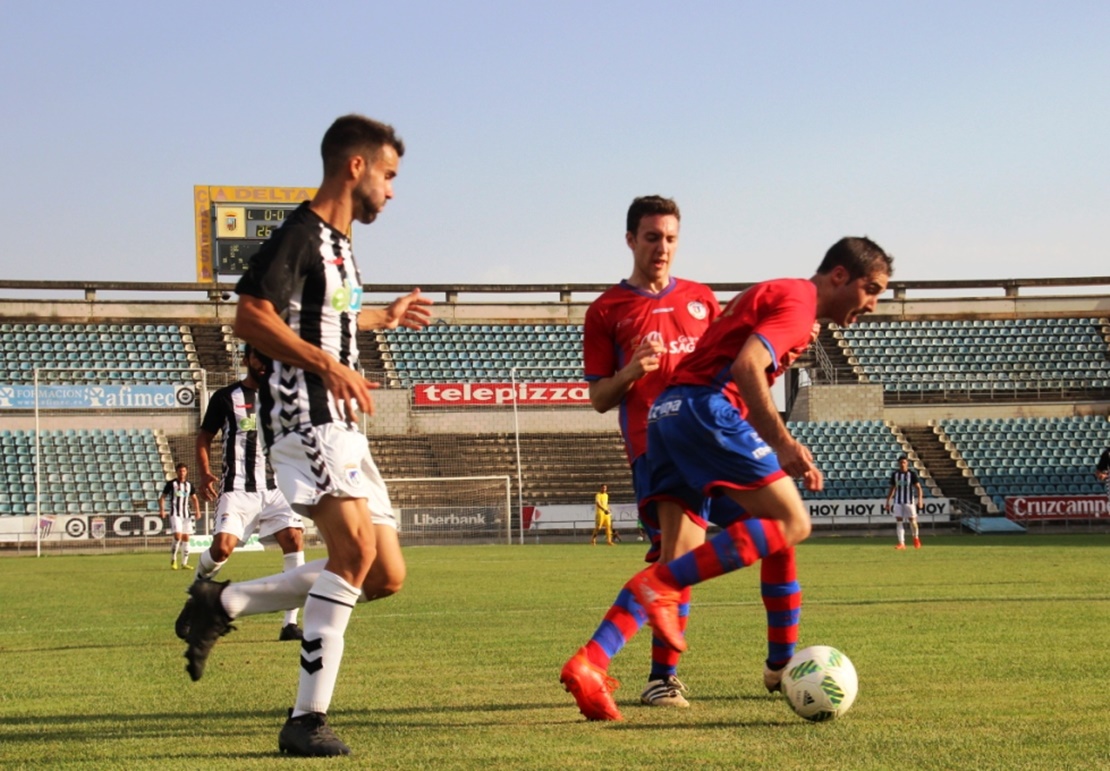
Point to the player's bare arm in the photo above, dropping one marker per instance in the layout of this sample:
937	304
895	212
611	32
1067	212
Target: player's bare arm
207	478
608	392
749	371
408	311
257	322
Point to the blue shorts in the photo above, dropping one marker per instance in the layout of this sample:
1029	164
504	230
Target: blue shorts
721	511
698	445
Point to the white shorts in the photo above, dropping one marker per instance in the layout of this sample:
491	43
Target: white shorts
240	514
329	460
904	510
181	525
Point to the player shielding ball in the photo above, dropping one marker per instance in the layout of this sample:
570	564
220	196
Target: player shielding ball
716	431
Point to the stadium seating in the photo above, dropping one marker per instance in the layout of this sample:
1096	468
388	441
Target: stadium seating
856	457
120	353
981	357
83	471
456	352
1030	456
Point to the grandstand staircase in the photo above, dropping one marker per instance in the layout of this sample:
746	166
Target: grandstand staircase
942	468
212	347
842	370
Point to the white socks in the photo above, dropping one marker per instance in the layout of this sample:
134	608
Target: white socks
326	613
901	531
207	567
283	591
291	562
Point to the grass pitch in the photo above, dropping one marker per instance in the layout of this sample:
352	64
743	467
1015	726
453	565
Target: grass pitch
975	652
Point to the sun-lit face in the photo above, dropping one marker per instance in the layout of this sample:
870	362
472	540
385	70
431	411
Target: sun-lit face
375	185
853	298
653	246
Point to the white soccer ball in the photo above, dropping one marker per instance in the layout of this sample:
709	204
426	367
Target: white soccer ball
819	683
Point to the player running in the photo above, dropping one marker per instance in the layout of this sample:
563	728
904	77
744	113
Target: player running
249	499
300	304
716	431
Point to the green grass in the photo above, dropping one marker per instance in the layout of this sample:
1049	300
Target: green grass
976	652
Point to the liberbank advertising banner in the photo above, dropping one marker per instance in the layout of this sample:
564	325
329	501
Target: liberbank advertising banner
501	394
823	513
93	397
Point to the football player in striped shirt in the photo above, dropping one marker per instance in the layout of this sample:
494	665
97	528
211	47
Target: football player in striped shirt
300	304
903	500
715	431
249	500
180	491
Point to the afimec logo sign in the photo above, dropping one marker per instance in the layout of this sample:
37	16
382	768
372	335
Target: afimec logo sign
501	394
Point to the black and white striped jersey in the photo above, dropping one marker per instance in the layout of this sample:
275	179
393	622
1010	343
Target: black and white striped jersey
905	486
178	494
233	410
308	272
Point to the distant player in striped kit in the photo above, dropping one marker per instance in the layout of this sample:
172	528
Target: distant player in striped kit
903	500
717	432
249	499
180	491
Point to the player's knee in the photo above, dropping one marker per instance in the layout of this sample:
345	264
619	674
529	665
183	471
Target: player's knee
219	552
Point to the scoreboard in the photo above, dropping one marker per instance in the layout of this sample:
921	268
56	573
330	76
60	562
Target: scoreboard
241	231
232	223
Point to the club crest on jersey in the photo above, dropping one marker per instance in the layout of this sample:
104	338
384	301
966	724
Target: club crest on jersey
347	297
354	475
697	309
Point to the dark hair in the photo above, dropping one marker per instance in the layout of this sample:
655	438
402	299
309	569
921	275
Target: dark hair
858	256
180	466
649	204
356	135
903	458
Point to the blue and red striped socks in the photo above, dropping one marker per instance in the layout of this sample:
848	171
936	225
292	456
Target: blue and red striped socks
782	598
738	546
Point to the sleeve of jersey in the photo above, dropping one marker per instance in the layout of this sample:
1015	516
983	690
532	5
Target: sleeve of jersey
598	360
214	415
167	491
272	271
785	321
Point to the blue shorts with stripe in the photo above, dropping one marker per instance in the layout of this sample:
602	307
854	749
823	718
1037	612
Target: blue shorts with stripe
720	511
699	445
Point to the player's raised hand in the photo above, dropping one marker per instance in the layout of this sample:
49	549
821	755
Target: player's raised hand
408	311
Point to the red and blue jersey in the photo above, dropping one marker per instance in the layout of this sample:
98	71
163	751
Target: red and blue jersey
780	313
616	323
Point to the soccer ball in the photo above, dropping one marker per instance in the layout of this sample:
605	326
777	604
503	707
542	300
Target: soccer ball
819	683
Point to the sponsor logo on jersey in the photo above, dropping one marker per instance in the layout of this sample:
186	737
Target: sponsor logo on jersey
347	297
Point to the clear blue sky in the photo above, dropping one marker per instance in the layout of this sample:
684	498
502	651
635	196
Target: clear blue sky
970	139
